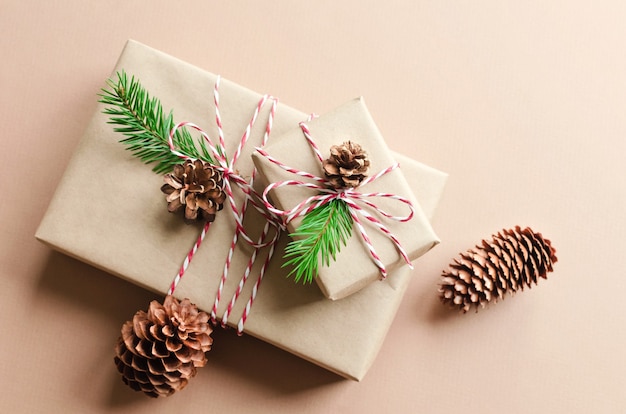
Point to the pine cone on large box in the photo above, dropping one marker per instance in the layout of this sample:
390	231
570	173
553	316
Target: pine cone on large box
159	350
347	165
198	186
512	260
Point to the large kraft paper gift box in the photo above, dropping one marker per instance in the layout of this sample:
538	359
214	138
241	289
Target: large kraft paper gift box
353	267
108	211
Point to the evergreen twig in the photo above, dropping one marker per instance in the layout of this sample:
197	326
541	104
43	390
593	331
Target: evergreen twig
318	238
140	118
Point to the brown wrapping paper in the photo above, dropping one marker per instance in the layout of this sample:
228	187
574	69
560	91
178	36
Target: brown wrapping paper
108	212
353	268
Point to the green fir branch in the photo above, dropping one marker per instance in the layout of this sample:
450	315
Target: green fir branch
318	239
140	118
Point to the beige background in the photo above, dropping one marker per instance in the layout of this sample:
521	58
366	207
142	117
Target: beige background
523	103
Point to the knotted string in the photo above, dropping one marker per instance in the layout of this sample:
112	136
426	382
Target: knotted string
354	199
231	176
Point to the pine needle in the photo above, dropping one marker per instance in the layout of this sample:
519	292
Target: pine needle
140	118
318	239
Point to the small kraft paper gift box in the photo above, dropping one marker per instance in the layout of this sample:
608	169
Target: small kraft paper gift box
369	252
108	211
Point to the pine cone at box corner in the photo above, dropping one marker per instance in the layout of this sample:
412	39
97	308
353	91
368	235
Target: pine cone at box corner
159	350
512	260
347	166
198	186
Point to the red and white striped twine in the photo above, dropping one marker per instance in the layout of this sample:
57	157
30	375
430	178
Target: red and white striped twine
187	261
326	193
273	226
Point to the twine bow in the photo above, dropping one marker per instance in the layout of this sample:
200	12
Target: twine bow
232	177
357	202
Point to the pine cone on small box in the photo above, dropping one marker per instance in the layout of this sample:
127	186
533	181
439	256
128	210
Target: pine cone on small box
347	166
198	186
512	260
159	351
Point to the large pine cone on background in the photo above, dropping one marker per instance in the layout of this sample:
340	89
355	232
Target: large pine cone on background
159	350
198	186
347	166
512	260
